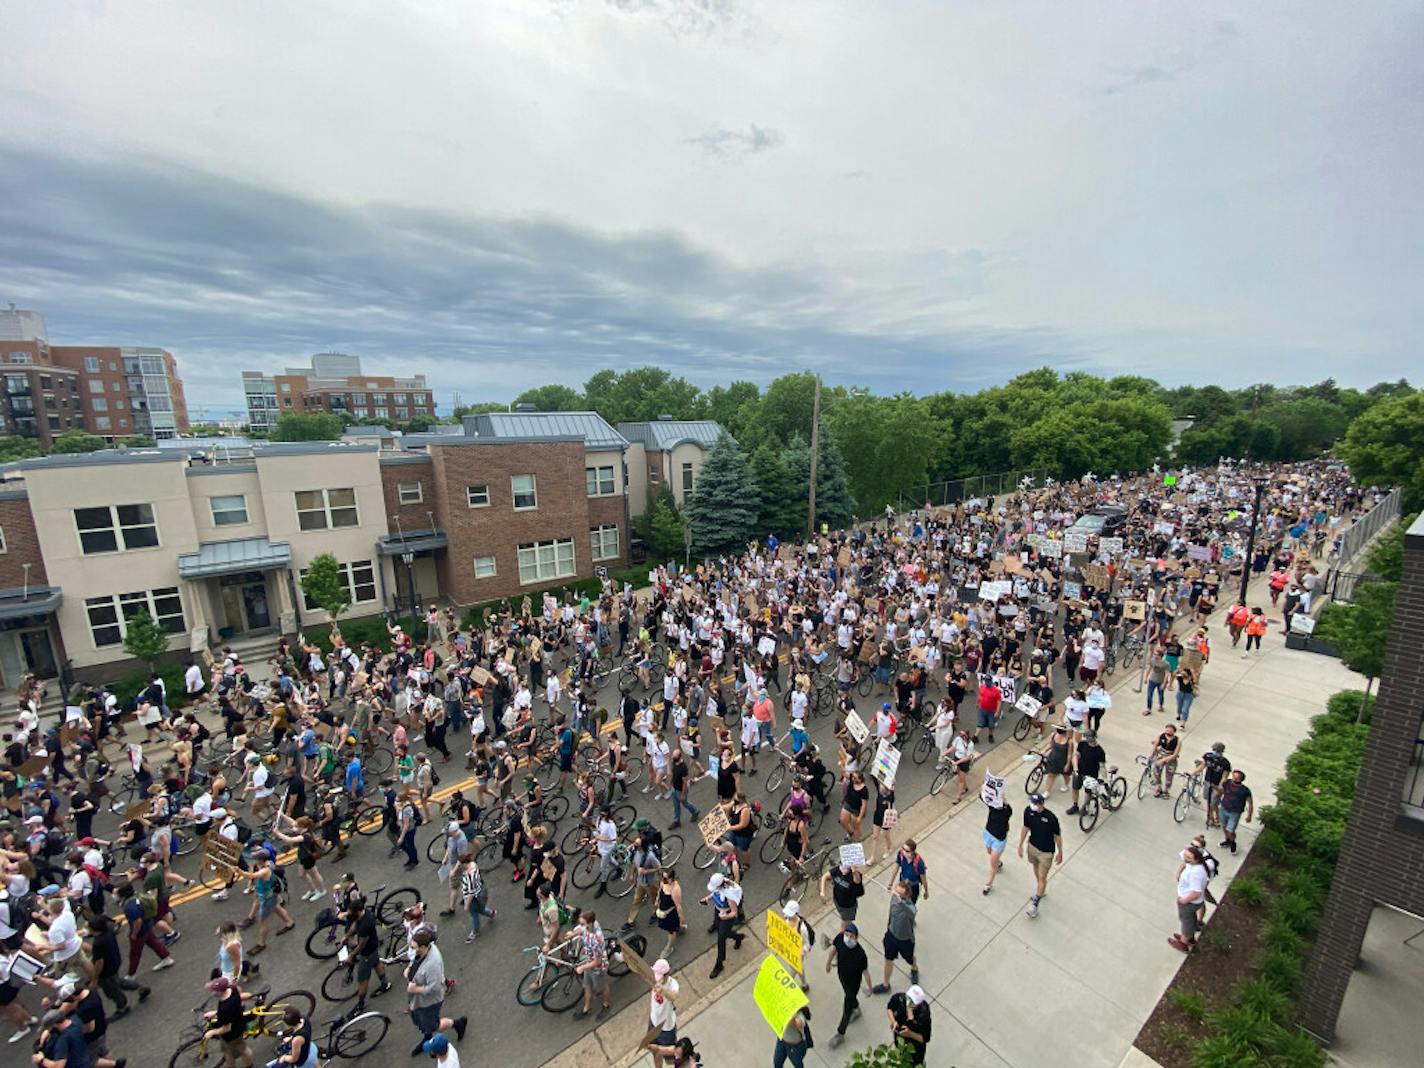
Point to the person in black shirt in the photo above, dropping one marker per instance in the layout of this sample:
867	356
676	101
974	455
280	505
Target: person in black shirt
847	888
107	964
364	940
1045	846
1088	760
909	1015
852	969
1214	768
229	1023
996	837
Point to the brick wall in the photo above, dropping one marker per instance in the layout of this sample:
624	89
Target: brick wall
498	530
114	393
412	516
1382	856
603	511
22	546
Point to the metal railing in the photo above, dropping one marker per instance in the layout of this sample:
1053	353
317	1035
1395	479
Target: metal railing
1358	534
1341	585
952	491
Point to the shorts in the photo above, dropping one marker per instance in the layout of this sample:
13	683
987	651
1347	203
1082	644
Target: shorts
1075	725
1088	674
8	993
1230	820
666	1038
846	913
1041	862
986	719
594	979
1213	794
266	906
894	947
742	840
235	1049
365	965
426	1019
994	845
566	762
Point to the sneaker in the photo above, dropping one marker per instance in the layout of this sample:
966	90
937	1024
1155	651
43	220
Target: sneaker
986	891
1063	789
716	971
837	1039
144	991
29	1026
381	989
221	895
1033	908
880	988
856	1014
991	737
783	868
460	1025
1072	810
166	962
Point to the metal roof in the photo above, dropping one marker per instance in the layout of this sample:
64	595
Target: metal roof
590	426
412	541
663	435
230	557
19	602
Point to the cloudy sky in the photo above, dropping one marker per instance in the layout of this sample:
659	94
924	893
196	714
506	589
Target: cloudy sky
921	195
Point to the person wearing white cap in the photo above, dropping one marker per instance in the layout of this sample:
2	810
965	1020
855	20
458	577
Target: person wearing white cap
662	1010
456	845
909	1015
724	896
791	911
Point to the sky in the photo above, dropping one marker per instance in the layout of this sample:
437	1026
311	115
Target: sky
912	196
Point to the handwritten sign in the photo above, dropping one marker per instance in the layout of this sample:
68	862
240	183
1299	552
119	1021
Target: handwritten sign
635	962
778	995
856	726
1072	590
1009	687
992	793
1030	706
886	762
1052	549
1163	526
714	826
992	591
1303	624
1136	610
853	855
1110	545
1199	552
1096	576
784	939
1075	541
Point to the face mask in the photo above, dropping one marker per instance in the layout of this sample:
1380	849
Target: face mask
851	942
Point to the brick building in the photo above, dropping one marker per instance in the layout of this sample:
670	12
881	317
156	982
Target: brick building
334	382
1382	856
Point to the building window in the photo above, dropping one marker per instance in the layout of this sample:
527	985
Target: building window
326	509
101	404
545	561
21	357
484	567
109	616
229	511
410	493
358	398
477	496
116	387
359	580
419	399
523	488
687	477
399	398
100	529
96	385
102	422
286	387
598	480
654	475
3	548
605	542
379	398
402	414
383	413
91	364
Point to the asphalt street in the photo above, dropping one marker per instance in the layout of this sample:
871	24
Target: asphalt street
487	971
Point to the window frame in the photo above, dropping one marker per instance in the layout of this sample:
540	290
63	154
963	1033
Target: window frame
687	476
402	498
533	492
117	528
469	495
593	480
327	510
598	542
214	511
553	573
493	566
349	581
146	600
4	545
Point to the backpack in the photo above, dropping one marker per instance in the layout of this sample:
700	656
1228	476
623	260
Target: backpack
416	815
148	901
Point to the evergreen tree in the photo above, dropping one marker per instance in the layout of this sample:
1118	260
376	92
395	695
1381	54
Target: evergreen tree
782	509
144	639
834	506
665	528
722	509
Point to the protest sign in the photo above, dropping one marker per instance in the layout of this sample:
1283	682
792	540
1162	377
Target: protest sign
1302	624
1096	576
1028	705
635	961
853	855
714	826
1110	545
1199	552
886	763
856	726
784	939
1135	610
1009	687
778	995
1051	549
1072	590
993	792
1075	541
1163	526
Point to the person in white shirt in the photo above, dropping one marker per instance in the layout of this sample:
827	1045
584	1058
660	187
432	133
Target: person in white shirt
662	1009
193	680
1192	877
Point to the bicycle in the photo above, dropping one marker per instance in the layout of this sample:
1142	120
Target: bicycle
530	989
351	1037
324	942
1109	792
264	1019
340	983
805	872
1189	796
566	989
1133	647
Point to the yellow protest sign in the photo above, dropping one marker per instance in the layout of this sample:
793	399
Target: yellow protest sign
784	939
778	995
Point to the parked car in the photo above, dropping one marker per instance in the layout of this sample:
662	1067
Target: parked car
1104	520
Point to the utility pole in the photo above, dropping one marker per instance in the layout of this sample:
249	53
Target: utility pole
815	451
1260	481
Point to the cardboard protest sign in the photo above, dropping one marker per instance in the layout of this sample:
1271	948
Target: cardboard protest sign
635	961
784	939
1013	565
778	995
886	762
1302	624
856	726
1135	610
1096	576
1009	687
714	825
852	855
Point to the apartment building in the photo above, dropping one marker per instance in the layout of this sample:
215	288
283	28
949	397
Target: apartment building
334	382
40	399
666	453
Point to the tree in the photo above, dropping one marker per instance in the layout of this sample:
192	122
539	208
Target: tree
722	510
144	639
1385	447
13	447
1359	630
323	585
889	443
308	426
782	502
139	441
734	406
834	506
665	528
482	408
72	442
419	424
552	398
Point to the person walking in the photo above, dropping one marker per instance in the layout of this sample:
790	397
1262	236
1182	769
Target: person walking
474	894
1235	800
794	1040
852	966
910	867
1045	846
592	967
668	910
847	887
425	983
996	837
909	1015
724	896
1156	682
1214	768
662	1009
899	941
1192	877
681	783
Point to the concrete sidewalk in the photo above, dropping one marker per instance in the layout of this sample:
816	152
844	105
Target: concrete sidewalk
1096	960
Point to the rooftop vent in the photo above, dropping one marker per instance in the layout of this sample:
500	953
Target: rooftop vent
526	407
664	419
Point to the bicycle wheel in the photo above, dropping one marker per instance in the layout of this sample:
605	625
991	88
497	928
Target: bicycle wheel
324	942
771	848
392	908
865	685
563	993
1109	663
937	784
1022	727
194	1054
1145	783
775	777
793	889
574	838
359	1035
1183	805
617	964
585	873
1088	813
304	1001
210	877
924	746
1117	793
547	773
635	770
1034	779
340	983
490	855
556	808
672	850
435	851
529	991
623	816
621	879
185	842
703	857
378	762
366	820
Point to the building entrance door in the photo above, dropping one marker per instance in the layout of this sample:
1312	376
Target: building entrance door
244	601
254	605
39	652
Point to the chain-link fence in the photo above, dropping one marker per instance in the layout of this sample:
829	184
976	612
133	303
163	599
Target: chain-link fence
952	491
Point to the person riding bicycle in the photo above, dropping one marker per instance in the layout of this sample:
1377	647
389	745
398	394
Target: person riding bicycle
795	839
798	799
813	772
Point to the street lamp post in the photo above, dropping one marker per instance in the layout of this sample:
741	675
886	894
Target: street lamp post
408	558
1260	481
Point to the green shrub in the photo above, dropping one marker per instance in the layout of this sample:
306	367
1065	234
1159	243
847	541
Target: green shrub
1310	882
1174	1037
1344	706
1292	1049
1281	936
1262	1000
1224	1051
1248	890
1280	968
1192	1003
882	1056
1300	914
1272	843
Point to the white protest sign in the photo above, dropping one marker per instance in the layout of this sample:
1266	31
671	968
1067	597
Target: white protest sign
853	855
1110	545
1028	705
1009	687
1199	552
1162	526
1072	590
858	730
993	792
886	763
1075	541
1052	549
1303	624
